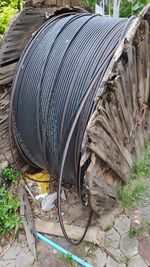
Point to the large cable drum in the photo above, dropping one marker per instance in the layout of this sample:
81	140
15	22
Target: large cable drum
61	62
71	91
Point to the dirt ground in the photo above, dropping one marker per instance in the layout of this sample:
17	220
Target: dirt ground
116	246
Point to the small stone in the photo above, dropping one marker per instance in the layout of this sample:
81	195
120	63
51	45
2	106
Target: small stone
136	218
137	261
86	249
122	224
112	239
54	251
129	246
112	263
101	258
146	213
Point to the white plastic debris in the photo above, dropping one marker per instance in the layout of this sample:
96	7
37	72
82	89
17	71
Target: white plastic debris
48	202
63	195
37	197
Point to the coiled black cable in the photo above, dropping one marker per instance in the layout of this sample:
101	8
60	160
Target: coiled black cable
54	89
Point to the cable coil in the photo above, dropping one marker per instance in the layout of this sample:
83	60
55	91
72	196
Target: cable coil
54	88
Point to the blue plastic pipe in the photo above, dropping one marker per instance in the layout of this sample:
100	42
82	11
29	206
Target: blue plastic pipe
63	250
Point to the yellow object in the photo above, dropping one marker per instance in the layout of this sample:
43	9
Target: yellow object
44	187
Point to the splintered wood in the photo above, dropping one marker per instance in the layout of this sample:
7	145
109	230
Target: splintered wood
120	125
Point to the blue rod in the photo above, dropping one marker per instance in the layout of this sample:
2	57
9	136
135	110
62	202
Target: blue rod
63	250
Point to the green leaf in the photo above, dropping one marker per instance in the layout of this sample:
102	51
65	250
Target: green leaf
9	211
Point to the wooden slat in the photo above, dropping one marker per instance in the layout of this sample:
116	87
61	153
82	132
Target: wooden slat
15	40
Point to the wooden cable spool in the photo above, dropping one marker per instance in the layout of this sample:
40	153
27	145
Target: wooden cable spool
120	124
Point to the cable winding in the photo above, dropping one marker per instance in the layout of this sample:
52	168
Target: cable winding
53	92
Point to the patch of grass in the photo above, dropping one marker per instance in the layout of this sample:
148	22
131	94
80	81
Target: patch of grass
109	227
10	174
144	227
142	167
9	216
129	195
9	204
68	260
134	231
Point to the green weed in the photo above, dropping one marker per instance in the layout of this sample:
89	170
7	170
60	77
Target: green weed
68	259
9	204
134	231
129	195
10	174
109	227
142	167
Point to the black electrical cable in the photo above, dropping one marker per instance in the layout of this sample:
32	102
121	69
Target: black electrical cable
54	89
12	134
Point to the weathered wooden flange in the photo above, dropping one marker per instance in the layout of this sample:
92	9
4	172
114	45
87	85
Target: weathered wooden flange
21	29
15	40
120	124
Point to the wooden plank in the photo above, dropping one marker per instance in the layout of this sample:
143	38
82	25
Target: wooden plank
6	80
102	144
7	70
27	219
74	232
